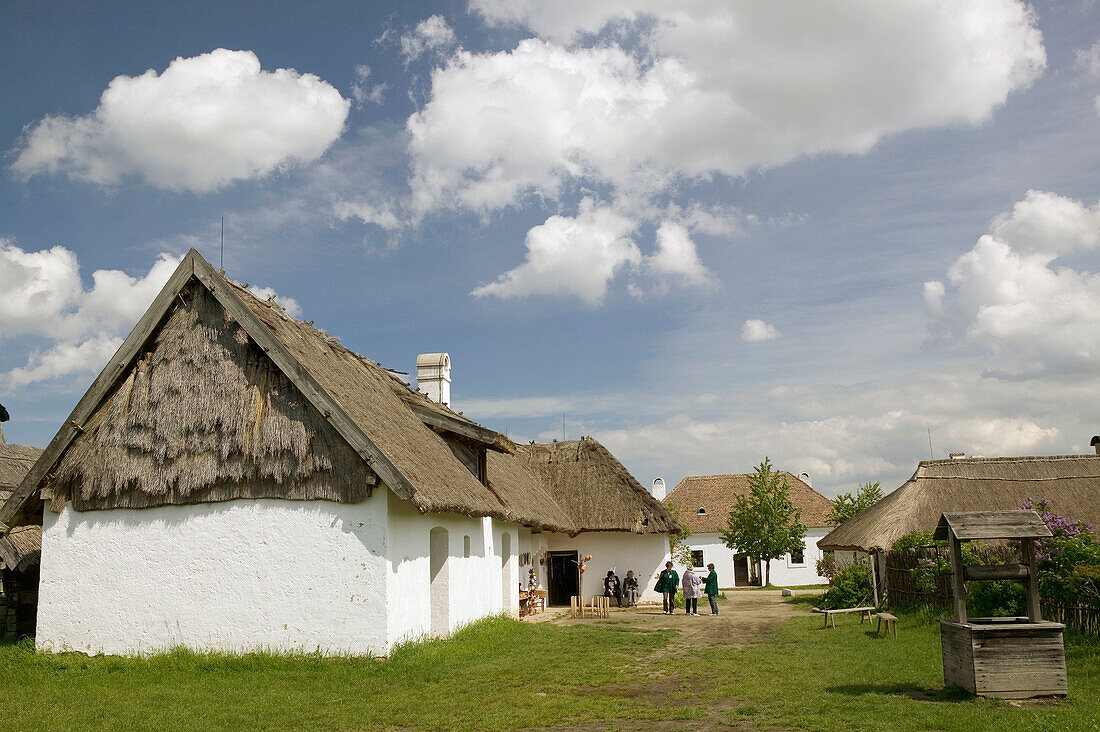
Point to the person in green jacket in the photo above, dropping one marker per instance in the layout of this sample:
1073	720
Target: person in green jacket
667	584
710	586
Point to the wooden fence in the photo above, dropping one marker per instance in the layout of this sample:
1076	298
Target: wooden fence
901	590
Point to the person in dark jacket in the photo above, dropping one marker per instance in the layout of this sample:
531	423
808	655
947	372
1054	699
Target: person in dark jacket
667	584
710	587
612	588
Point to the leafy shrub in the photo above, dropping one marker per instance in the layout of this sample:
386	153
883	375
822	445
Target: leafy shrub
851	587
826	566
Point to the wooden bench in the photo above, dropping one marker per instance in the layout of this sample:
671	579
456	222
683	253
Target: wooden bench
891	622
864	614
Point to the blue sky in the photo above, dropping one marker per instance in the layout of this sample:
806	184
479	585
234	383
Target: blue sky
704	232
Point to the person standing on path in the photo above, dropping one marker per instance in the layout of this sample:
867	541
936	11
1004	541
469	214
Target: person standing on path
710	586
691	592
667	584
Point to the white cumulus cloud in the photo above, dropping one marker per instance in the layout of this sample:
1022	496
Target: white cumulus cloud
1006	294
430	34
203	123
76	329
755	330
289	304
716	87
676	255
575	256
45	298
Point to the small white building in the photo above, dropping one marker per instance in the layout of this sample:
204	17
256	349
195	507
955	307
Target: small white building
703	503
235	479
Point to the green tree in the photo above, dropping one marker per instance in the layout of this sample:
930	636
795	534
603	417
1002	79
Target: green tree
846	505
765	524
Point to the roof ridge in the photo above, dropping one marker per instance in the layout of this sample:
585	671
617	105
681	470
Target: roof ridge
1018	458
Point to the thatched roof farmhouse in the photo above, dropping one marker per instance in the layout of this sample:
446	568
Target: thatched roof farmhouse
236	477
1070	482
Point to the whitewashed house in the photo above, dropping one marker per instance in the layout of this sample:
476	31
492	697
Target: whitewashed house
235	479
702	503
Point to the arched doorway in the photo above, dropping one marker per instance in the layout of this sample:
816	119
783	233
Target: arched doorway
438	550
506	581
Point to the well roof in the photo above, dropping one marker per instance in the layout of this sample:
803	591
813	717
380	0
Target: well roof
1070	482
718	493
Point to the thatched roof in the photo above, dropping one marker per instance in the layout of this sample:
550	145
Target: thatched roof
1070	482
591	488
25	542
15	461
716	494
217	395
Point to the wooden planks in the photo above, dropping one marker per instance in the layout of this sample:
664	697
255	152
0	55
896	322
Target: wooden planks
997	572
969	525
1006	660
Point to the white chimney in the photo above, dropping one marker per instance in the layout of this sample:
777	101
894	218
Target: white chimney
1095	443
433	376
805	478
658	488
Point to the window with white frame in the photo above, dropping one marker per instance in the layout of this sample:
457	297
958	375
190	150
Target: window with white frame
797	558
697	557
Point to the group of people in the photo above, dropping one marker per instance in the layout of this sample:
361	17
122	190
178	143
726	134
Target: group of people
668	582
624	591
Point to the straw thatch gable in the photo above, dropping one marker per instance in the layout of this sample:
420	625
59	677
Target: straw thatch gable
218	395
716	494
205	416
590	487
1070	482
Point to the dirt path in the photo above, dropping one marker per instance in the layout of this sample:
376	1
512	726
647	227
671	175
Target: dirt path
744	617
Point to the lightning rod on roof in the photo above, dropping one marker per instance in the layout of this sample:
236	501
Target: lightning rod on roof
931	455
221	252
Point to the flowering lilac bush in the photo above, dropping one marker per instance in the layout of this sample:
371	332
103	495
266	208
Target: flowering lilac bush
1068	564
1069	561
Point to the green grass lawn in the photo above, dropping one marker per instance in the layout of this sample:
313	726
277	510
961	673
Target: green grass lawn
500	674
806	677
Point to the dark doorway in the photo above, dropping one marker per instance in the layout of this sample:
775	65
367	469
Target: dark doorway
741	570
564	579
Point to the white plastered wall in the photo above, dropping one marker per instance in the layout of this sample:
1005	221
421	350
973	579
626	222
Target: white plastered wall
646	554
714	552
475	584
783	571
236	576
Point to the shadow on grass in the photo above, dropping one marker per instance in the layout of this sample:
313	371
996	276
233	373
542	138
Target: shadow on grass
913	691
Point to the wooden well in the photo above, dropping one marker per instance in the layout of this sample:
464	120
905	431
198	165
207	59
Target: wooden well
1010	658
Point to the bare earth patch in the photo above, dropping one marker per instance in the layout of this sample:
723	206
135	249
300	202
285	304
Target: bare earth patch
744	618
